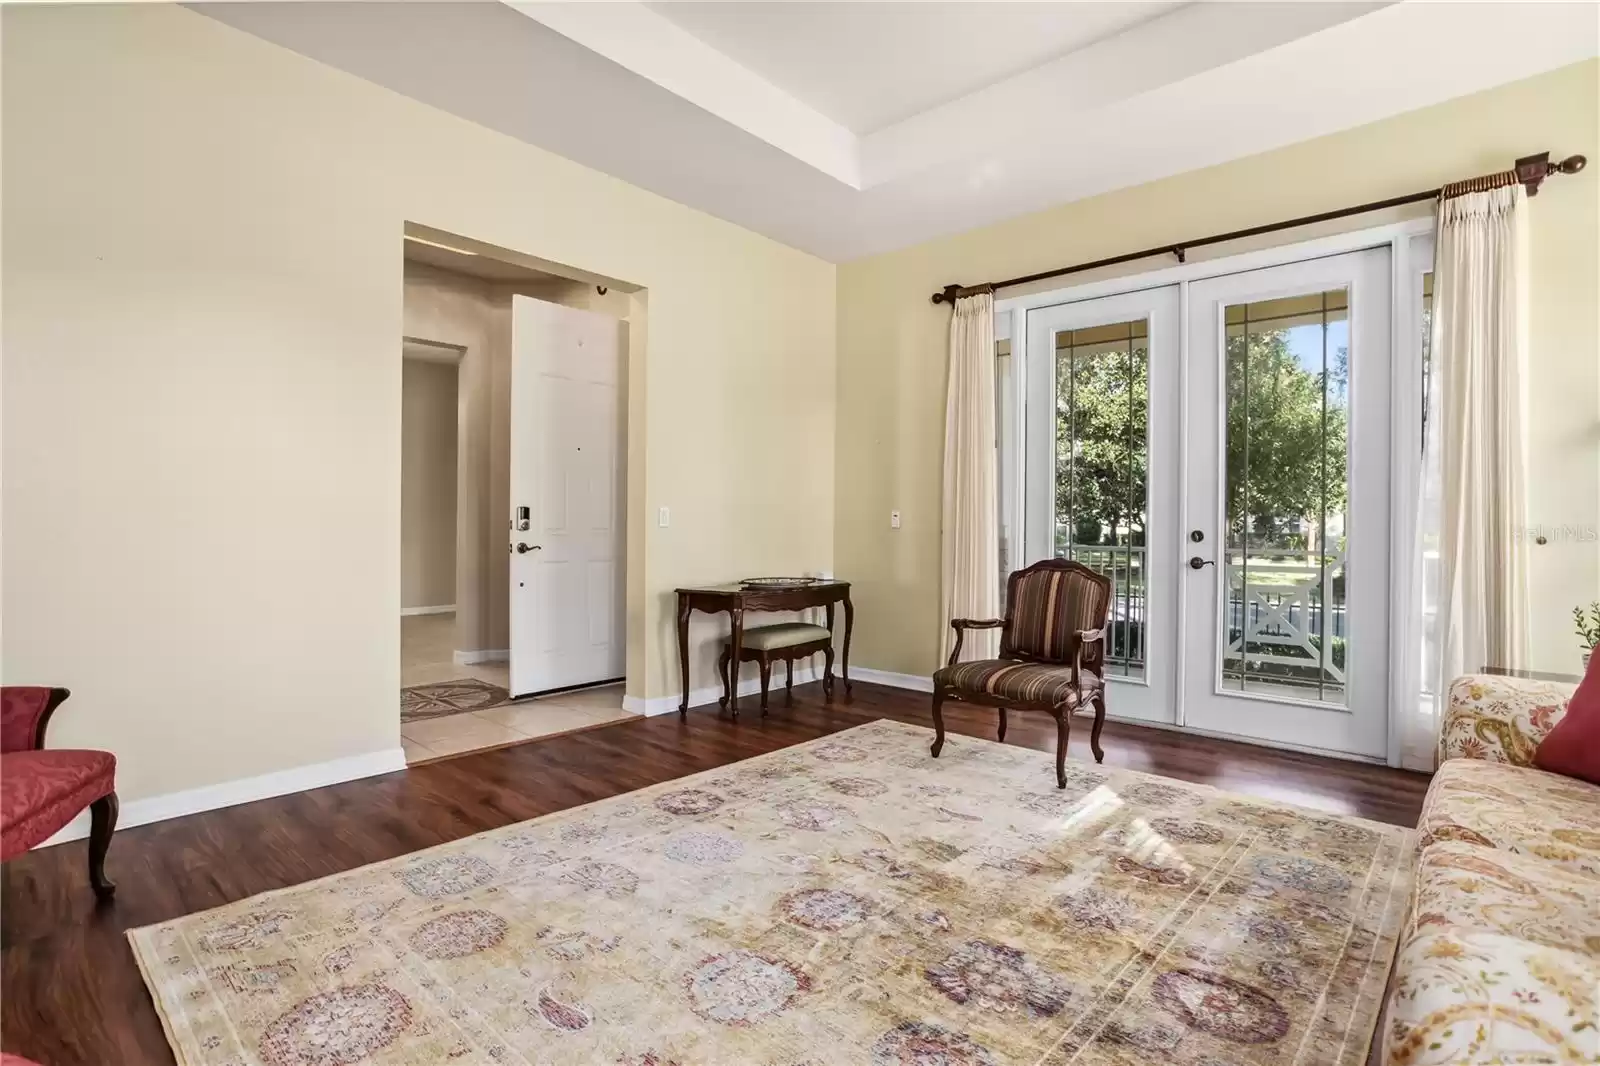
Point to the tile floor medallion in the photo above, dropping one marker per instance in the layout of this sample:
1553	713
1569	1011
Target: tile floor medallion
422	702
850	900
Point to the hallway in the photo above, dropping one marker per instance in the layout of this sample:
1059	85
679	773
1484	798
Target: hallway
434	686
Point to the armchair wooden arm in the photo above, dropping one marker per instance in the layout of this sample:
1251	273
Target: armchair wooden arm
1092	642
961	625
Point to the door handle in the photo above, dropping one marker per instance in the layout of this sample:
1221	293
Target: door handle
1196	563
523	549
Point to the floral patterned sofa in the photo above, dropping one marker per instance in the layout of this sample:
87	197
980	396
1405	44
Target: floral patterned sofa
1501	962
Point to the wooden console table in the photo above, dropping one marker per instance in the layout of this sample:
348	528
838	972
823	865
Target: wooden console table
736	599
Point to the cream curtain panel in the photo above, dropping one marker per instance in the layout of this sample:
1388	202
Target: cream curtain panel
970	550
1475	468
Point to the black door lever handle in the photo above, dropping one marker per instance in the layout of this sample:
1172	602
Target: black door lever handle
1196	563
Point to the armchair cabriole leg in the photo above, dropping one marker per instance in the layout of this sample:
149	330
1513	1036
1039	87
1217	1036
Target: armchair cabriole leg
1002	725
938	722
1063	727
102	823
1099	721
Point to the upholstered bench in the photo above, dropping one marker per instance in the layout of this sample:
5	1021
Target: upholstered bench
787	641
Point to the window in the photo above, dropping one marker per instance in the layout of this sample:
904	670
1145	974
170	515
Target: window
1288	408
1102	452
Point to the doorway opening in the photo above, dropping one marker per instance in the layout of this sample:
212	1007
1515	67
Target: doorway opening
513	497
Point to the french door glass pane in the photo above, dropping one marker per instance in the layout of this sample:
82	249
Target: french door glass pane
1102	463
1288	407
1003	369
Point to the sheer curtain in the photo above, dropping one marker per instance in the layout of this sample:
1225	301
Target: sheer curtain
970	552
1473	495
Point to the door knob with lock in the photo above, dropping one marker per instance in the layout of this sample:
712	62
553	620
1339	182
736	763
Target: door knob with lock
523	549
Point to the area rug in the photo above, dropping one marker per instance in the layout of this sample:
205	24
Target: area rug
849	900
422	702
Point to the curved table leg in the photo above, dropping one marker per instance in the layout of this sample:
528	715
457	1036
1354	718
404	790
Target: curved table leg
735	646
683	652
844	659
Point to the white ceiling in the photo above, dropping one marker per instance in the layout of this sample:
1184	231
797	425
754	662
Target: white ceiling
847	129
868	65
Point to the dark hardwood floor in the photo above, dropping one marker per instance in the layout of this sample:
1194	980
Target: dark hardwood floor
72	995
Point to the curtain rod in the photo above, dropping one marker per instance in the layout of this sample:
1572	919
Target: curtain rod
1529	171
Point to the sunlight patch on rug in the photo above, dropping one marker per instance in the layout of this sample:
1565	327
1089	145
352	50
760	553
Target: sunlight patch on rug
850	900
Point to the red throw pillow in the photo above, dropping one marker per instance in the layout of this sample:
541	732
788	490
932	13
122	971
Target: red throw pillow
1573	746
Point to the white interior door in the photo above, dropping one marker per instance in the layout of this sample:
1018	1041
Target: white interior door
567	523
1101	470
1287	504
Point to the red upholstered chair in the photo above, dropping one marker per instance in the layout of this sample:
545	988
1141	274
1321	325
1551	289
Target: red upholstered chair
43	789
1052	653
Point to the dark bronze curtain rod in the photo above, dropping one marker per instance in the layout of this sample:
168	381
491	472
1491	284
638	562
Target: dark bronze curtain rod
1529	171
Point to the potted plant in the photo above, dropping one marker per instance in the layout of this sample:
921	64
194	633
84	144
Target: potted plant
1588	629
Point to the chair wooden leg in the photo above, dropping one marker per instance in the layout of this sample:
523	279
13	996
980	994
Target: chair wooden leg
1002	725
766	679
102	823
938	722
788	681
1063	727
827	673
722	672
1099	720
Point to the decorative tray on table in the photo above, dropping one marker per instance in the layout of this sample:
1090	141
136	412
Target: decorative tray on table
778	582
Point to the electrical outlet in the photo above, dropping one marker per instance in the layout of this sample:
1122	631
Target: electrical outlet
664	517
894	519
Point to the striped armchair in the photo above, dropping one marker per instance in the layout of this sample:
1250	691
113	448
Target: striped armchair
1052	654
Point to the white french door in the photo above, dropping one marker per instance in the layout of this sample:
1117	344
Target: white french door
1101	470
1287	454
566	538
1220	447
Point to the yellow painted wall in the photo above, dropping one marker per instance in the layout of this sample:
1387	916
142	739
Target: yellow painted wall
892	342
202	286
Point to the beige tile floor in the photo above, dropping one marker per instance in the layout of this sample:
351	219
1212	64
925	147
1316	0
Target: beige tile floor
427	655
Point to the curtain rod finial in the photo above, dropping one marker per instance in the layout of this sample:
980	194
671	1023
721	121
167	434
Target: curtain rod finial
1533	169
947	295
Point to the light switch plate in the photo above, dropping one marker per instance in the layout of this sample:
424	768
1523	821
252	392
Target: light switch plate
894	519
664	518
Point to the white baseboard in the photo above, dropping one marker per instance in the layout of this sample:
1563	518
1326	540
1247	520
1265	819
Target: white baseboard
444	608
245	790
699	697
914	682
486	655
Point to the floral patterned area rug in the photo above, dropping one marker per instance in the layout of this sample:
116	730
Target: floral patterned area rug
850	900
